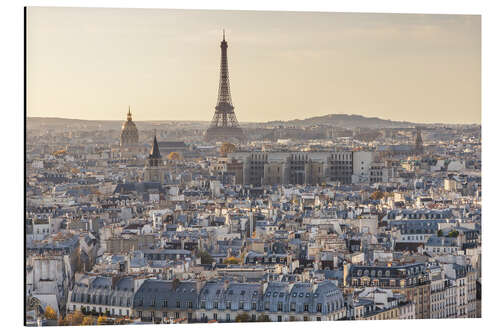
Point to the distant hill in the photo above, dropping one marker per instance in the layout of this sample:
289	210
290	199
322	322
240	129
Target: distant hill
345	121
53	122
334	120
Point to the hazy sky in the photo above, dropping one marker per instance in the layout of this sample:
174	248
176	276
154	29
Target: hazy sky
91	63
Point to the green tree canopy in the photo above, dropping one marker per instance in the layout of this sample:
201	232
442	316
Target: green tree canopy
206	258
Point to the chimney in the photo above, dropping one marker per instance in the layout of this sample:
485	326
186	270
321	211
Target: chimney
347	266
263	287
114	280
199	284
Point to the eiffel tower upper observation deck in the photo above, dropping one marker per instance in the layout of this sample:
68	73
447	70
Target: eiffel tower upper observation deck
224	126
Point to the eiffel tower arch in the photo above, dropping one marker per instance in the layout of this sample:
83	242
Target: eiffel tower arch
224	125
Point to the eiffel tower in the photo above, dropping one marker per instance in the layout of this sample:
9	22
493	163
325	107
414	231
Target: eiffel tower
224	125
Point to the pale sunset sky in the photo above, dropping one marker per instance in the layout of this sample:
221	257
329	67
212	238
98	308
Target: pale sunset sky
92	63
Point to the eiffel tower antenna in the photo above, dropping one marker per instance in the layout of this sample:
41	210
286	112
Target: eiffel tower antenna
224	125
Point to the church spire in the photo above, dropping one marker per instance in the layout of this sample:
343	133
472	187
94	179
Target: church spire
129	114
155	149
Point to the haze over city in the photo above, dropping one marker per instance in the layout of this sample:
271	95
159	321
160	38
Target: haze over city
89	63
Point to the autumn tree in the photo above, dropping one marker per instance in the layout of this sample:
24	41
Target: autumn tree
50	313
263	318
377	195
73	319
102	320
243	318
77	318
174	156
87	321
226	148
231	261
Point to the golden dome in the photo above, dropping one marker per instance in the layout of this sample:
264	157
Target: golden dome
129	134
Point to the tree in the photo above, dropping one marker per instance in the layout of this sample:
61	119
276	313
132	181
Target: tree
122	321
87	321
206	258
50	313
377	195
174	156
231	261
227	148
263	318
440	233
453	233
102	320
77	318
74	319
243	318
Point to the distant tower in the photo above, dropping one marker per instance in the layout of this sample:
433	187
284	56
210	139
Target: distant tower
419	144
129	135
153	171
224	126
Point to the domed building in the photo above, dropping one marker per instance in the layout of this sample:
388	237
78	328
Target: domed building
130	134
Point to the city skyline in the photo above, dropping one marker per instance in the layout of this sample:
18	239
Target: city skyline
339	179
274	76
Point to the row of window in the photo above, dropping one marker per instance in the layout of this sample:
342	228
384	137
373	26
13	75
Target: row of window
101	299
164	303
112	311
280	306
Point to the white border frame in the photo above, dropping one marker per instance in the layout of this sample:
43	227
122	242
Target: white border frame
11	88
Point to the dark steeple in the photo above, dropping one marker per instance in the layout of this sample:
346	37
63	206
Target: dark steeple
419	144
154	155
